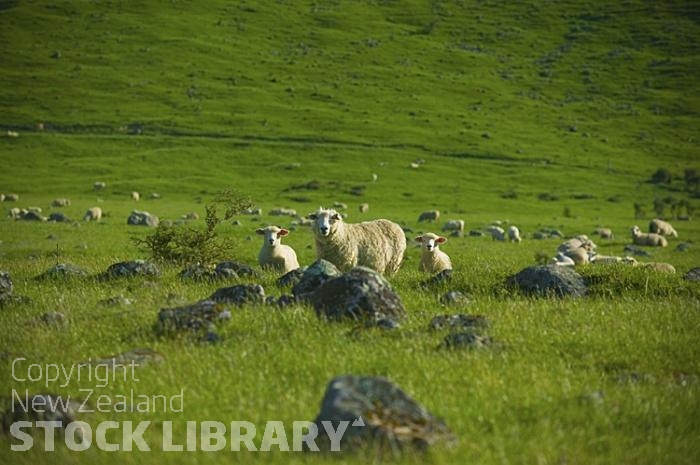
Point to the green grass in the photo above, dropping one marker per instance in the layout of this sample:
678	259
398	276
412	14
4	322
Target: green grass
572	100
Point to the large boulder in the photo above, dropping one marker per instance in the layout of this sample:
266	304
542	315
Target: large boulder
241	294
314	276
360	294
549	280
130	269
377	414
139	218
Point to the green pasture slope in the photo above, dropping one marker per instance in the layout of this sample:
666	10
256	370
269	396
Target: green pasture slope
507	102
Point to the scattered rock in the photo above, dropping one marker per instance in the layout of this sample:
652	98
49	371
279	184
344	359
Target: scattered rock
241	294
466	340
63	271
547	280
131	268
198	316
239	269
459	321
199	272
6	286
693	274
440	278
359	294
454	298
115	301
59	218
475	233
314	276
683	247
139	218
291	278
634	250
379	415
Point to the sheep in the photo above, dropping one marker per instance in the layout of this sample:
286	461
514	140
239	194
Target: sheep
514	234
378	244
135	196
604	233
662	228
60	202
11	133
659	267
640	238
581	241
610	259
98	186
93	214
11	198
433	260
273	254
364	207
282	212
579	255
252	211
497	233
453	225
562	260
14	213
430	215
2	197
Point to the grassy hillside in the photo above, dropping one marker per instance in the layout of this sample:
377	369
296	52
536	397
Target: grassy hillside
546	114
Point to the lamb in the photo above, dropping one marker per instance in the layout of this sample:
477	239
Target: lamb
135	196
93	214
433	260
662	228
659	267
431	215
364	207
497	233
640	238
378	244
454	225
581	241
273	254
514	234
604	233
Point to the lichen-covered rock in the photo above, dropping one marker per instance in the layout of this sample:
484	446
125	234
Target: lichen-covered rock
378	415
291	278
693	274
63	271
141	218
548	280
314	276
466	340
454	298
59	218
238	269
359	294
131	268
459	321
6	286
202	315
241	294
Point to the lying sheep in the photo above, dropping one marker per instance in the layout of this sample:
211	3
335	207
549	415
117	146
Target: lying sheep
652	239
273	254
610	259
431	215
514	234
60	202
497	233
562	260
453	225
135	196
93	214
433	260
662	228
378	244
604	233
579	256
364	207
581	241
14	213
659	267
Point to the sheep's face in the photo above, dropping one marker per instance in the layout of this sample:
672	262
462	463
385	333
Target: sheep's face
636	231
325	221
430	242
273	235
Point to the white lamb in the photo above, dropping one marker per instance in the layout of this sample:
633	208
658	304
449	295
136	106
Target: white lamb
378	244
135	196
431	215
433	260
640	238
273	254
662	228
514	234
93	214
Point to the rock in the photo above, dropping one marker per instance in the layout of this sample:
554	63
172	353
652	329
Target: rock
693	274
115	301
199	272
359	294
683	247
314	276
457	234
52	318
6	286
475	233
239	269
59	218
139	218
63	271
286	300
135	357
241	294
459	321
198	316
440	278
548	280
131	268
466	340
33	216
455	298
634	250
379	415
291	278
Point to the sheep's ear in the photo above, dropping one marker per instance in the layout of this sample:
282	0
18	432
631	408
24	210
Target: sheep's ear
419	239
260	231
282	232
312	216
336	216
441	240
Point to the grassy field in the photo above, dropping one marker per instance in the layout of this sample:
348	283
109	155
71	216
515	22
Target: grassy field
506	102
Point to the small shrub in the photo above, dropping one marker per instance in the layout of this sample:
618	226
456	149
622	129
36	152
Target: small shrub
661	176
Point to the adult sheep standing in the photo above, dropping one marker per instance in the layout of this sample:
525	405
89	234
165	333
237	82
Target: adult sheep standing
93	214
378	244
274	254
430	215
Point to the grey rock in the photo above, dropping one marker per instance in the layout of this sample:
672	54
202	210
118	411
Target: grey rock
459	321
240	294
240	269
637	251
291	278
59	218
6	286
693	274
63	271
202	315
683	247
549	280
455	298
466	340
130	269
52	318
475	233
141	218
199	272
359	294
32	216
314	276
379	414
